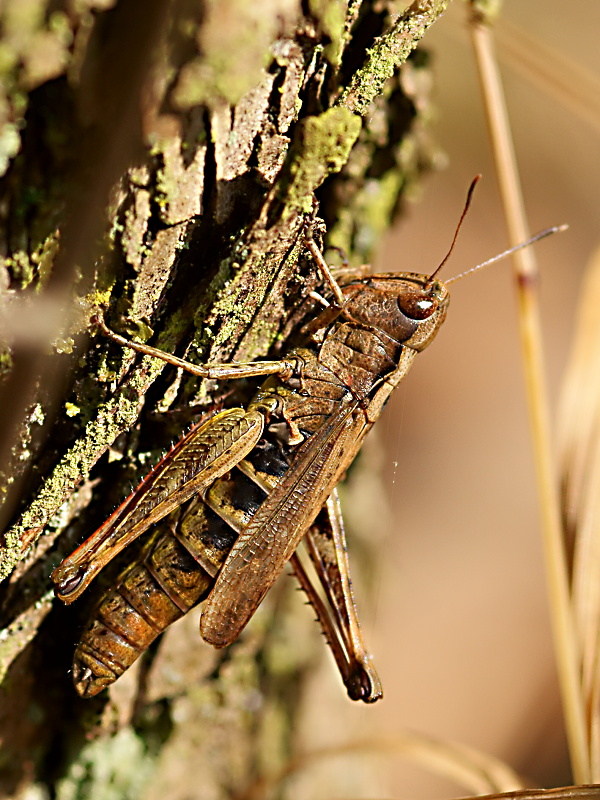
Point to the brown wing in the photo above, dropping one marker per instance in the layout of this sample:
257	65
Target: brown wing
274	532
206	453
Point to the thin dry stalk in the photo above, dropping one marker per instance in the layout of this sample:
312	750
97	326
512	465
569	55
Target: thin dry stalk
578	408
579	460
561	793
531	343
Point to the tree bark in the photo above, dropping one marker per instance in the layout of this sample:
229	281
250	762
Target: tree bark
161	160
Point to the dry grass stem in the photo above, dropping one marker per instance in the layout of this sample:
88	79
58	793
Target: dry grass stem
579	461
578	409
531	342
561	793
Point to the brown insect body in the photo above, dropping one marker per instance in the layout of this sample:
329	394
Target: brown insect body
232	501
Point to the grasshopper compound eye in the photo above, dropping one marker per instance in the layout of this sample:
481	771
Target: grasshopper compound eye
418	304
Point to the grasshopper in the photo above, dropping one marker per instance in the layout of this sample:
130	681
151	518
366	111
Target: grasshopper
230	503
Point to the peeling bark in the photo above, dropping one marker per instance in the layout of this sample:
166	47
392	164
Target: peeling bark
161	168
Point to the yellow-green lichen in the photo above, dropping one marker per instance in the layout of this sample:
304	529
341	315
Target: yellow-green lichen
10	144
235	44
361	224
388	52
227	307
332	17
112	418
71	410
321	147
37	414
99	298
6	361
44	257
487	11
21	268
114	768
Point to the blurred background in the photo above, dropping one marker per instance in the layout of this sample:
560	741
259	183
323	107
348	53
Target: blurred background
460	630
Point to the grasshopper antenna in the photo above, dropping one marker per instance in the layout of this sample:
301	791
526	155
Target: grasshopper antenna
536	238
474	183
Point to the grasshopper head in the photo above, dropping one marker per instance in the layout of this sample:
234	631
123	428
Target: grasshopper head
407	307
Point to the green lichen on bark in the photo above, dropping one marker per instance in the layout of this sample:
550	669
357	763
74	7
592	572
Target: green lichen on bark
112	418
115	767
388	52
218	74
322	147
331	15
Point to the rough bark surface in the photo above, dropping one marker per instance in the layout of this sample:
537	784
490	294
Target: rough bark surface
159	161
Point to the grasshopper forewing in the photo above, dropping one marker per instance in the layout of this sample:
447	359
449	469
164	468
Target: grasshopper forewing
203	455
267	543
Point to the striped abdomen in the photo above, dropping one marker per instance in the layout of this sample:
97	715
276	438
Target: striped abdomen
175	571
